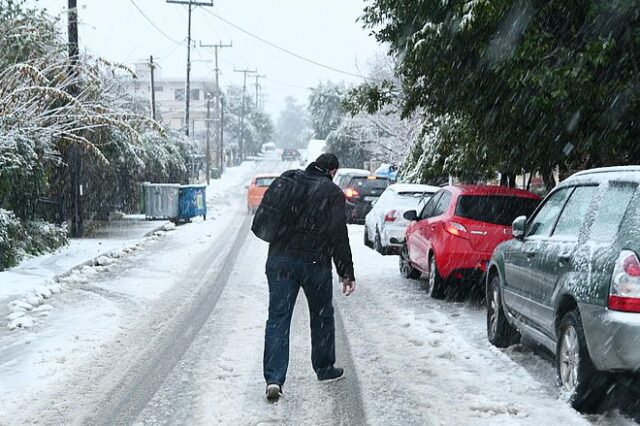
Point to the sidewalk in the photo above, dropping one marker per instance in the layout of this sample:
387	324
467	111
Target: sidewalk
25	287
35	278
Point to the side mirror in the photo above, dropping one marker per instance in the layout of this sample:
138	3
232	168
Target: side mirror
410	215
518	227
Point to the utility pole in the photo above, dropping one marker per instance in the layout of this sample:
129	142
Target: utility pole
258	77
75	159
152	68
222	164
244	91
187	95
208	138
216	104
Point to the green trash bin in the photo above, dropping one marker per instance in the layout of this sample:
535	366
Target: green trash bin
215	173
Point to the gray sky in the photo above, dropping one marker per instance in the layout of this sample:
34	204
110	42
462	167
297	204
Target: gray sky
325	31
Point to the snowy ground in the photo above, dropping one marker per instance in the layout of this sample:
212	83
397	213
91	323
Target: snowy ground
171	332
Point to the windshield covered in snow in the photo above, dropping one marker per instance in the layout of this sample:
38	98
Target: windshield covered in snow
499	210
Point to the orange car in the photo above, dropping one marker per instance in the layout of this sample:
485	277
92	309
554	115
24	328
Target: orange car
256	190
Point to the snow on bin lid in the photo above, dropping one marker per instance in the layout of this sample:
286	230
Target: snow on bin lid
170	185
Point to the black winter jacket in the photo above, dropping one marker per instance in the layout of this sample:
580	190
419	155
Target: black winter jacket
319	232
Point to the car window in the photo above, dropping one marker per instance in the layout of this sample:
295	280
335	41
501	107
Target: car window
266	181
412	194
544	220
442	204
496	209
575	212
365	185
613	206
427	211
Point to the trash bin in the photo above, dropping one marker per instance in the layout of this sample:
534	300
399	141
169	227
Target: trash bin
215	173
192	202
160	200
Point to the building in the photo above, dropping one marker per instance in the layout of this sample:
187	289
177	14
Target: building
170	99
170	104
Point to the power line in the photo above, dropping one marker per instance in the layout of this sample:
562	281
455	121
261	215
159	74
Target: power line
154	25
240	58
296	86
287	51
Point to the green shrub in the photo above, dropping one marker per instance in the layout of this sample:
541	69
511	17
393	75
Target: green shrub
29	238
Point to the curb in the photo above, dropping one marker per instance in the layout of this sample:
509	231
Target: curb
94	260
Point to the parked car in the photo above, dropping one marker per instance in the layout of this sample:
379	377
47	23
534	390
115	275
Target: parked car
453	237
360	193
343	176
256	190
290	154
385	224
570	280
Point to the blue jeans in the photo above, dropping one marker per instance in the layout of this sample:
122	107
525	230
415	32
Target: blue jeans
286	276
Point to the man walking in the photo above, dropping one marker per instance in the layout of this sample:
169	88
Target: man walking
302	259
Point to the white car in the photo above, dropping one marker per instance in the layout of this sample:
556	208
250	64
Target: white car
385	224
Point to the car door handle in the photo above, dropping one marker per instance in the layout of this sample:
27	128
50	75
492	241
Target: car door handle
530	254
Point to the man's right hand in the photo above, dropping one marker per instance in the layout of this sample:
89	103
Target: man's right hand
348	286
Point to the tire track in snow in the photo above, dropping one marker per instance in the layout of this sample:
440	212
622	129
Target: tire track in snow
308	401
138	385
129	397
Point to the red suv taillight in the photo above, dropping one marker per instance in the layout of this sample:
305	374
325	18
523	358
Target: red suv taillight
455	229
624	294
391	216
351	193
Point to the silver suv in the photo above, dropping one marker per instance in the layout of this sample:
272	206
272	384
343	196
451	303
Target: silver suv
570	280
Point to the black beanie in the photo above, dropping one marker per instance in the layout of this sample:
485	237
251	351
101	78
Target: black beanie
327	162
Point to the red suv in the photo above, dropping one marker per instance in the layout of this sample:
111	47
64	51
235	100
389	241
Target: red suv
454	235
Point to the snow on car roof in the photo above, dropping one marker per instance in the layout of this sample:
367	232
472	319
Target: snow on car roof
606	173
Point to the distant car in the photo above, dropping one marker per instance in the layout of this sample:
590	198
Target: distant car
290	154
453	237
256	190
570	280
360	193
385	224
268	147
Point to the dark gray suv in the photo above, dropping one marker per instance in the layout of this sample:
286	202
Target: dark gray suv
570	280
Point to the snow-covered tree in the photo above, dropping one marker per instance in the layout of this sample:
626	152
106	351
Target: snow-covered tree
325	108
293	129
257	125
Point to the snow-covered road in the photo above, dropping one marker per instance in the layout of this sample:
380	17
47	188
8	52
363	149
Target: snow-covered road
171	333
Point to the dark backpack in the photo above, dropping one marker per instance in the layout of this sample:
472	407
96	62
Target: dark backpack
277	214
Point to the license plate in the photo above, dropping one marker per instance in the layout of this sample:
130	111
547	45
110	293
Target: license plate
370	199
